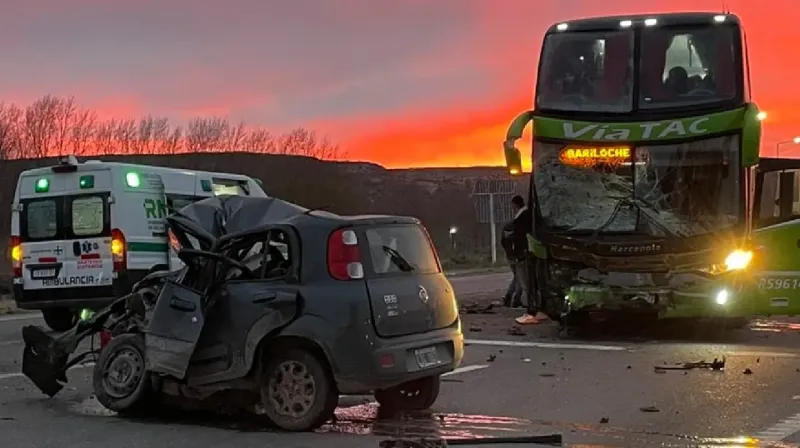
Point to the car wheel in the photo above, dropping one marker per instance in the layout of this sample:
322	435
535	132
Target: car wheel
297	392
120	380
415	395
60	319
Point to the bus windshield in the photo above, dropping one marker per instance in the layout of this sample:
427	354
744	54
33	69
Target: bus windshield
587	72
677	67
687	66
671	190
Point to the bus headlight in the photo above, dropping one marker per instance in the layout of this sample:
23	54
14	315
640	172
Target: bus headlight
738	260
722	297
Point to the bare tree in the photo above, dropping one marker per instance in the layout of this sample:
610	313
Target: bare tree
84	131
39	126
303	142
104	137
54	126
64	111
124	138
10	143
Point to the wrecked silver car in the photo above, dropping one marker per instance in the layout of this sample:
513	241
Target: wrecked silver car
277	311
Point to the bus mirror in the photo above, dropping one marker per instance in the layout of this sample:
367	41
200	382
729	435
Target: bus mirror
513	158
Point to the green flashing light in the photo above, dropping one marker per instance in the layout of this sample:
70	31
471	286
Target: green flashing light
86	182
86	314
42	185
132	179
206	185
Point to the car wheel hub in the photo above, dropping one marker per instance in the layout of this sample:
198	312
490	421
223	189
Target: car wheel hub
291	389
123	373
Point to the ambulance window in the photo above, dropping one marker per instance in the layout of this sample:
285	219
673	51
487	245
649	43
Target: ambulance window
230	187
41	219
87	216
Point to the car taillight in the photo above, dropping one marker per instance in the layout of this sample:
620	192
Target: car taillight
174	243
118	250
344	255
15	250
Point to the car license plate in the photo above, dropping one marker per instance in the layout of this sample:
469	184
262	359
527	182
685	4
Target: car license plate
427	357
43	273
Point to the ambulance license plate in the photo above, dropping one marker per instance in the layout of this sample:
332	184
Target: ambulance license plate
43	273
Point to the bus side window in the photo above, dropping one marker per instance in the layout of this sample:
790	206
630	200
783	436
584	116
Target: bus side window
780	197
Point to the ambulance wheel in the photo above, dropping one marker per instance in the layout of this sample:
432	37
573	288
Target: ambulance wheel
120	380
60	319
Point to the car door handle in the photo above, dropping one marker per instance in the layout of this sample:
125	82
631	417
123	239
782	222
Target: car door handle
182	305
266	298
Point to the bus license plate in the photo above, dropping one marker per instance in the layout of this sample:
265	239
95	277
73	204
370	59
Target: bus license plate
43	273
427	357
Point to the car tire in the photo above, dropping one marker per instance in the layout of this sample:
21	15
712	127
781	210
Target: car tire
60	319
129	390
417	395
288	379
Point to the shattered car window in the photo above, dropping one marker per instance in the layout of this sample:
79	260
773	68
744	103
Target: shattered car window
673	190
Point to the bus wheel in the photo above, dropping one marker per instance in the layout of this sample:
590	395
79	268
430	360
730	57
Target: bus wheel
60	319
736	323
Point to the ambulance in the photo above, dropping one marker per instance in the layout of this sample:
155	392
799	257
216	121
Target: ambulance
83	233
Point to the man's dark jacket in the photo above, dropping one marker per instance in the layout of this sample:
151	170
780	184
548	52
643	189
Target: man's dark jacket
516	234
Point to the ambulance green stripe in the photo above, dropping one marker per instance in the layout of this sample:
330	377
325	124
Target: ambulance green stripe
147	247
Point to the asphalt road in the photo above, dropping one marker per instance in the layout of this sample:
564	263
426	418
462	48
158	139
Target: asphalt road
601	392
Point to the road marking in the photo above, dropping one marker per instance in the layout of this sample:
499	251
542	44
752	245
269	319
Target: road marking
781	430
764	354
604	348
466	369
23	316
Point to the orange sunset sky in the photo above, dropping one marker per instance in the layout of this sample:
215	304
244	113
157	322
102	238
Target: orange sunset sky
398	82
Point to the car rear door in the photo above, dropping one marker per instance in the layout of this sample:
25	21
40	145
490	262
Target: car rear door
66	241
408	291
776	232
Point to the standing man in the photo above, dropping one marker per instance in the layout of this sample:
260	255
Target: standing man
520	227
513	297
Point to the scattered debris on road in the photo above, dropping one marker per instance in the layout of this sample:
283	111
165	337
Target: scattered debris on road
547	375
604	420
477	308
475	329
650	409
516	331
717	365
491	358
747	371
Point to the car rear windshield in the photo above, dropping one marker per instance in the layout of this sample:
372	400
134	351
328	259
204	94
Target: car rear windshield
400	249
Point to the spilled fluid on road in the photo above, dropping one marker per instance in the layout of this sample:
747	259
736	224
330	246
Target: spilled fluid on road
367	419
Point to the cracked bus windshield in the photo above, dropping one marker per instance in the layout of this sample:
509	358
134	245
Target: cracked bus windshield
682	189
